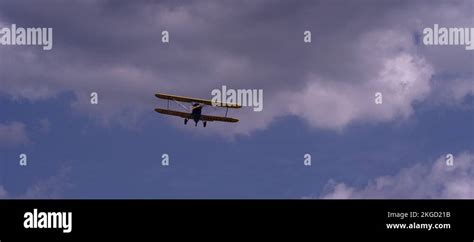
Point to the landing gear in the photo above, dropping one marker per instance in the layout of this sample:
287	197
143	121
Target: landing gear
204	123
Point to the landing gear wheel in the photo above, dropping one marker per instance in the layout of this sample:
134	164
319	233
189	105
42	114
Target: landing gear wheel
185	121
204	124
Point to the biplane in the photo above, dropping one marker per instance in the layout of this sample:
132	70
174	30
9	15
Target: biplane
194	111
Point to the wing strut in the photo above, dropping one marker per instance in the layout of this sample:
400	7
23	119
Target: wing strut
180	104
227	109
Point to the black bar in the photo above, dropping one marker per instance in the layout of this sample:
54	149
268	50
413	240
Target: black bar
160	218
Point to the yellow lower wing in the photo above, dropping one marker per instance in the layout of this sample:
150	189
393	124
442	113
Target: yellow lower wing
173	113
216	118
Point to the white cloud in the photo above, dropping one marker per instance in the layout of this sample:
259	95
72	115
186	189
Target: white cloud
3	192
401	77
436	180
44	125
52	187
13	133
391	68
457	89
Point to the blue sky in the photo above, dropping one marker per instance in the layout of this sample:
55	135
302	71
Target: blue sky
318	100
120	163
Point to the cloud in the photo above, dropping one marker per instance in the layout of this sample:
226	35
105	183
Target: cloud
356	50
3	192
421	181
12	134
403	80
52	187
44	125
454	91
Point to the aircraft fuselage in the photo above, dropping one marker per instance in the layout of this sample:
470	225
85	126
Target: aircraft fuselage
196	113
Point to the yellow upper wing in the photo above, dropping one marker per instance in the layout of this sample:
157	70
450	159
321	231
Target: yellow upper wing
196	100
203	117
